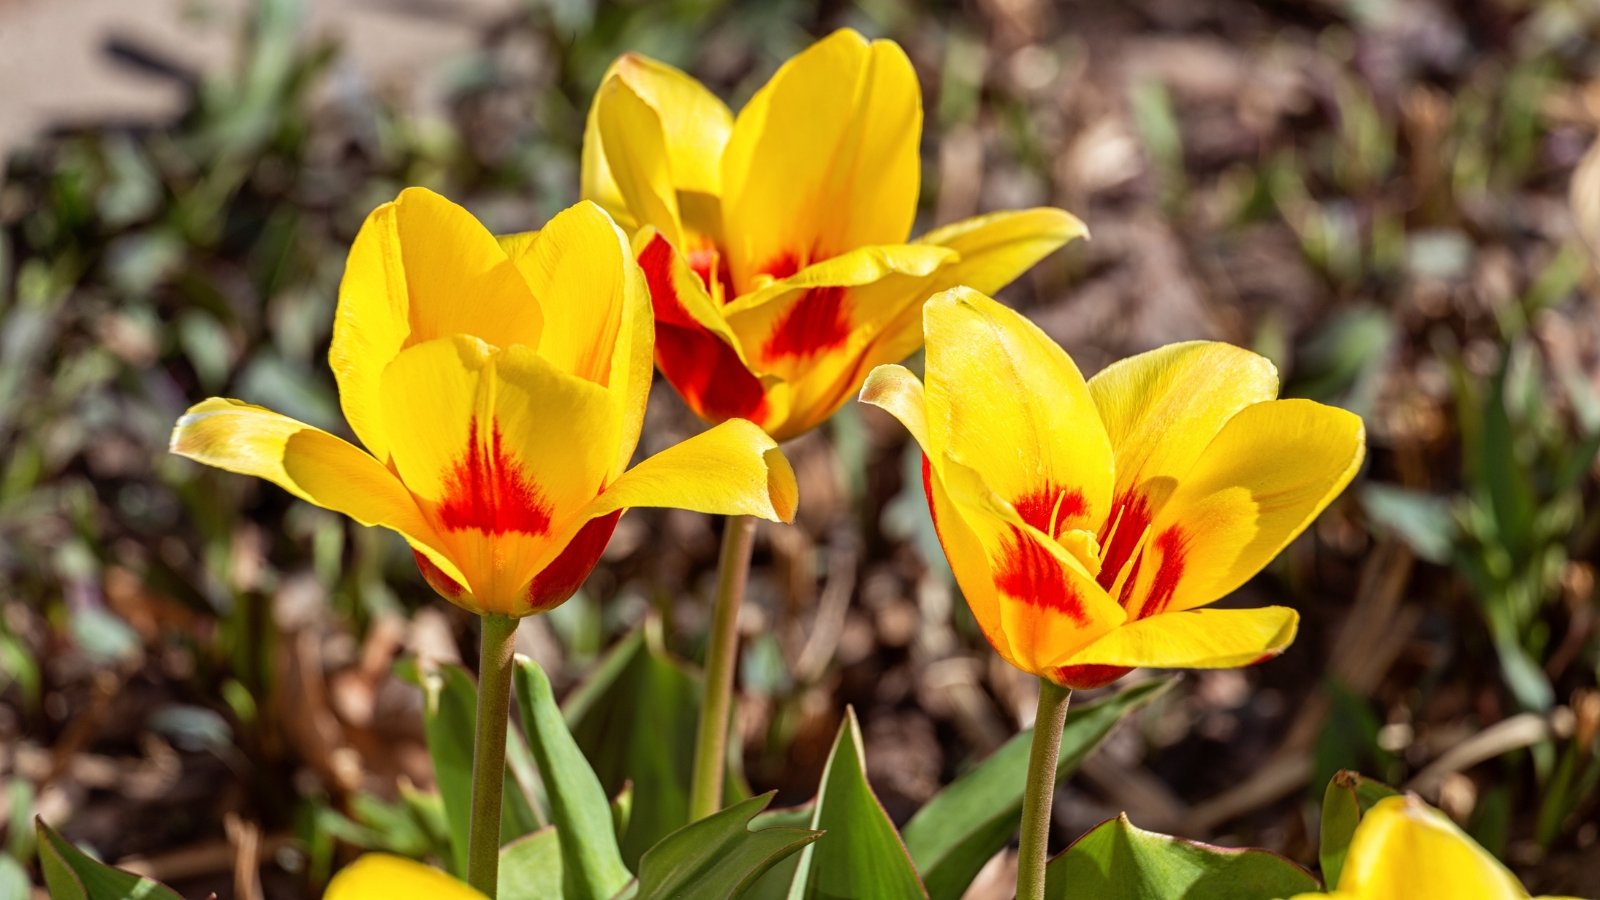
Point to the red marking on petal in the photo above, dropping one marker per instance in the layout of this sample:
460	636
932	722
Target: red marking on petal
781	266
1130	517
448	587
927	491
1087	677
488	490
815	324
1051	508
1028	572
1261	659
1170	545
567	572
704	370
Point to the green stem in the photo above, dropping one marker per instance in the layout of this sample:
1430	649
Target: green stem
1041	789
711	746
489	752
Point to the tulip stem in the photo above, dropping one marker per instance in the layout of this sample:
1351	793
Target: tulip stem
711	746
489	752
1040	791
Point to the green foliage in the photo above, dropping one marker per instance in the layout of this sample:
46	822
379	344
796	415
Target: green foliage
635	719
591	863
71	874
1116	861
859	853
717	856
530	867
955	833
1347	799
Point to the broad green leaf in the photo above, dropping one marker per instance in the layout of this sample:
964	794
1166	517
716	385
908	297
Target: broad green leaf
717	856
1347	799
71	874
859	853
530	867
591	864
635	718
972	819
1116	861
450	716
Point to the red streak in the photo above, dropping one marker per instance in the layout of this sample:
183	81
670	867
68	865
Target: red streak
487	490
1038	508
1087	677
1170	545
781	266
567	572
704	370
816	323
448	587
1029	573
706	259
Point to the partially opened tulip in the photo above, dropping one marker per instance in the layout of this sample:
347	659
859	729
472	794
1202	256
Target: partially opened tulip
498	386
776	245
1089	523
1404	849
777	241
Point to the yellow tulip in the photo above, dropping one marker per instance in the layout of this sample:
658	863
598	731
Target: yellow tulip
499	386
776	242
1404	849
1087	522
381	876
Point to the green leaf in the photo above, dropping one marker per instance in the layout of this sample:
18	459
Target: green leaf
449	717
859	853
635	718
717	856
530	867
71	874
591	864
1116	861
1347	799
972	819
1425	522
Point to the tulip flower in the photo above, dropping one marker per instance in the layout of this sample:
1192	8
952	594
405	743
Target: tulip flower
1088	523
776	241
1404	849
498	386
383	876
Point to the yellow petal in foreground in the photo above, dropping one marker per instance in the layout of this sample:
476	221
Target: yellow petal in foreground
1084	522
382	876
499	387
1404	849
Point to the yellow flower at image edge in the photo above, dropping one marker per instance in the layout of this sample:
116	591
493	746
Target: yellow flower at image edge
381	876
499	387
1404	849
1088	522
777	243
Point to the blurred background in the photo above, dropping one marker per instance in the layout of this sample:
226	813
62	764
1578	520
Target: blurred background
198	674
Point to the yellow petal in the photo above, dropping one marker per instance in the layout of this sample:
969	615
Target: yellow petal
1270	471
381	876
732	469
1404	848
503	448
822	330
596	310
1195	639
309	463
694	127
421	268
896	391
1162	408
823	159
998	247
1005	400
636	151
